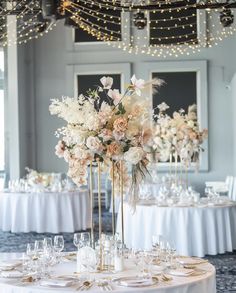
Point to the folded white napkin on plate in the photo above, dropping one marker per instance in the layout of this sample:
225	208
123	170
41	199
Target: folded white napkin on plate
191	260
56	283
11	274
181	272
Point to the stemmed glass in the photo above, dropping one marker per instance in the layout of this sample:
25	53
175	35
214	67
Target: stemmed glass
48	251
38	258
39	247
58	244
76	240
81	239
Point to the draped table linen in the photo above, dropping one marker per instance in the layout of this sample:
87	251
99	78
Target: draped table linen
42	212
192	284
194	231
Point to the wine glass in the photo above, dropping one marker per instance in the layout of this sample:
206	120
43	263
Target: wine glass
58	243
30	249
76	240
39	247
85	238
47	243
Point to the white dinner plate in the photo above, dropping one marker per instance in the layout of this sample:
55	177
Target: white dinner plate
135	281
11	274
191	260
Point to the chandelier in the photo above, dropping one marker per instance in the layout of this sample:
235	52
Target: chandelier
158	28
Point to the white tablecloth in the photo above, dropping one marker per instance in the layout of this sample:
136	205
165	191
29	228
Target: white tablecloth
200	284
194	231
44	212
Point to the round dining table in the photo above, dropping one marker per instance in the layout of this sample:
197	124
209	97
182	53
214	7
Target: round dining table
204	283
45	212
193	230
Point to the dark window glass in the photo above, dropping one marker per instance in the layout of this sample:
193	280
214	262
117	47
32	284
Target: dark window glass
179	90
86	82
174	26
108	24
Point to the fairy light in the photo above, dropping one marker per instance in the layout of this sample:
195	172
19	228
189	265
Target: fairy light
172	25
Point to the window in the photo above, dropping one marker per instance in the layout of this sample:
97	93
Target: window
185	84
2	140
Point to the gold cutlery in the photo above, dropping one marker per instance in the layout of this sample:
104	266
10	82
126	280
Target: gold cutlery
85	286
166	278
104	285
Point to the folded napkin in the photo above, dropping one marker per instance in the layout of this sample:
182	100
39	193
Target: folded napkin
56	283
190	260
181	272
11	274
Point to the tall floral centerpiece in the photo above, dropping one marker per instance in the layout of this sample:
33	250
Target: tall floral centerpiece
109	128
178	137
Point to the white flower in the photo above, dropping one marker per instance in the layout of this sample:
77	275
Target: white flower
94	144
59	149
81	153
115	95
163	107
106	134
138	84
134	155
107	82
164	155
105	113
190	123
118	135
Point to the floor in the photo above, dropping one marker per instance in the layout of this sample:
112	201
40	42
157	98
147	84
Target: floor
225	263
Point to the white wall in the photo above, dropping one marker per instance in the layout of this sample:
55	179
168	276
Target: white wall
51	55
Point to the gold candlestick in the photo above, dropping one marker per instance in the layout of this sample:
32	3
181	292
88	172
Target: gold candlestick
122	201
113	199
186	173
176	168
170	164
100	213
91	203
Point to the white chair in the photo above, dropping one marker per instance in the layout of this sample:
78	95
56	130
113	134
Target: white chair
2	180
217	186
224	187
230	184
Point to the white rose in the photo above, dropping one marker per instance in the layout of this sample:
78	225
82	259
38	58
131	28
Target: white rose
134	155
94	144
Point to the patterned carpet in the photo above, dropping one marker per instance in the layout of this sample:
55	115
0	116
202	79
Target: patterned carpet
225	263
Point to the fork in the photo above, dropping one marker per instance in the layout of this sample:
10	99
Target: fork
104	286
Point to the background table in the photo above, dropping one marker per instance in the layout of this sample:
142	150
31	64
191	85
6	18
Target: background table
194	231
51	212
203	284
